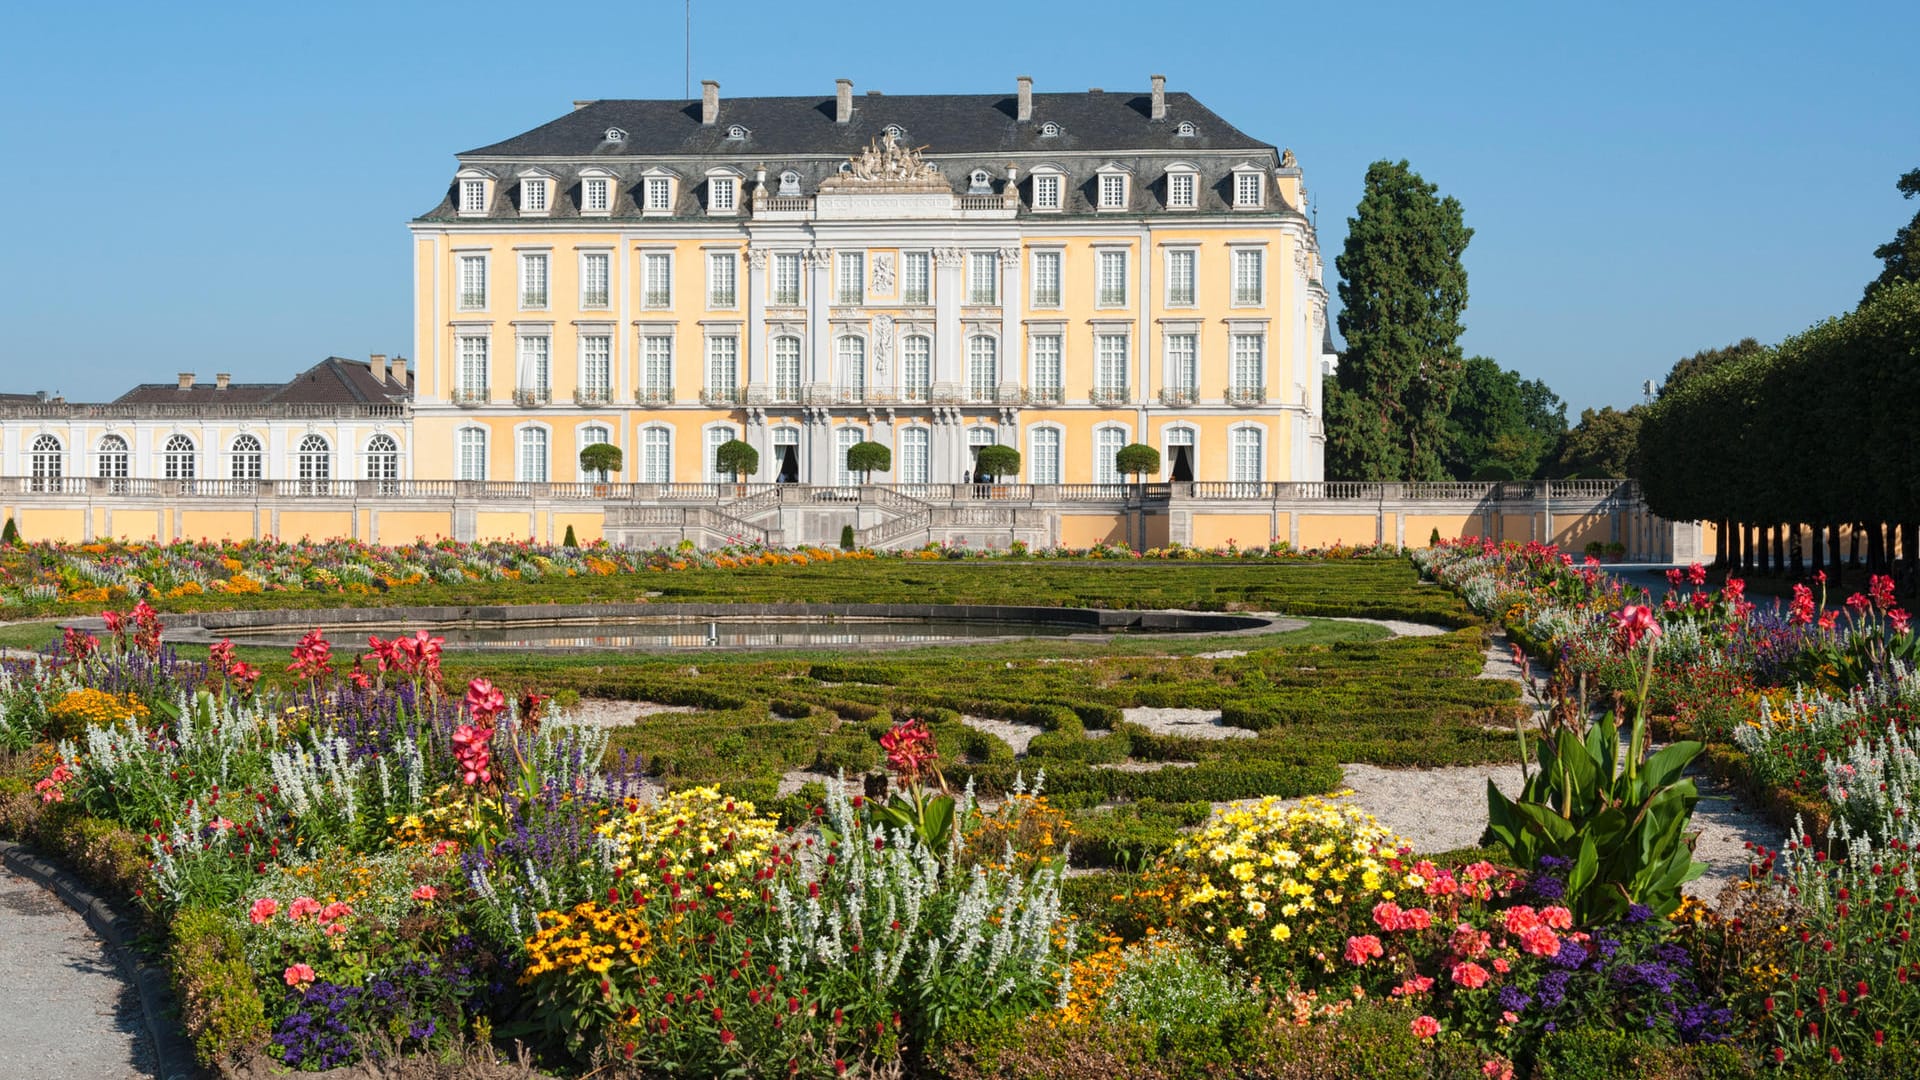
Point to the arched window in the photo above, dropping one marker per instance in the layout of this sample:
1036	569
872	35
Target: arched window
656	455
786	454
789	183
1180	458
589	436
1107	442
853	368
313	465
177	460
716	436
844	439
114	460
48	462
983	368
533	455
978	437
916	367
247	457
915	457
786	368
1247	456
473	453
1043	464
383	464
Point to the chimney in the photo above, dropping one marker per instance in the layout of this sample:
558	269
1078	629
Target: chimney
1159	97
186	380
1025	82
843	101
221	379
400	373
709	101
378	362
580	104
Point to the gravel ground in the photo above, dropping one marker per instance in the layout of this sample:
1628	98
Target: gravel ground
608	713
68	1013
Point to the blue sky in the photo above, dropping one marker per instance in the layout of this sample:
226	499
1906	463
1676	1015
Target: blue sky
225	188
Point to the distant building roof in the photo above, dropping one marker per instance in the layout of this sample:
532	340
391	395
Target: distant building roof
333	381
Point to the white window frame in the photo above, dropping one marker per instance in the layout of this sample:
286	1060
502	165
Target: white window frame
1048	285
596	195
381	462
1180	364
473	365
536	196
1249	189
1049	191
785	352
1106	465
1041	470
583	437
658	193
1183	189
723	194
1238	464
112	458
850	361
1247	361
1112	288
916	277
179	458
596	366
313	466
656	369
1174	256
603	261
249	462
655	446
536	280
711	442
533	366
723	280
1046	365
464	183
48	456
1113	189
983	368
842	475
983	278
850	277
1102	341
916	367
658	298
526	468
916	454
1242	296
470	454
787	281
722	374
465	265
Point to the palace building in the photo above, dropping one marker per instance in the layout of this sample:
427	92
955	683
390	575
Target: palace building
1062	273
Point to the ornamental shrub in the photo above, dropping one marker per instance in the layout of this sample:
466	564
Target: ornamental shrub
10	535
1136	460
568	541
996	461
846	538
737	458
867	458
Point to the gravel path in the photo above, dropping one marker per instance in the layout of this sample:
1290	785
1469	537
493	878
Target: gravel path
69	1015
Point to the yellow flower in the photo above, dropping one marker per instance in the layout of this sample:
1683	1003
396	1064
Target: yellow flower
1237	936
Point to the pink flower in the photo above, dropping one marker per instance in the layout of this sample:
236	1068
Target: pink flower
1900	619
473	750
1415	984
1415	919
909	747
298	975
336	929
1801	611
263	909
335	910
484	701
312	658
1386	915
1363	947
302	907
1540	941
1425	1027
1557	917
1635	624
426	892
1697	574
1500	964
1498	1069
1470	975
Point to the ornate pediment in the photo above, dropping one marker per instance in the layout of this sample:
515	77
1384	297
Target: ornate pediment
887	165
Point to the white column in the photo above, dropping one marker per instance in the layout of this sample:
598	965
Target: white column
819	286
1010	297
752	341
947	294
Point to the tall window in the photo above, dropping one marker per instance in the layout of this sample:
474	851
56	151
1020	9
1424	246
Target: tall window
656	370
1181	276
533	280
1247	275
1113	278
536	367
850	282
595	271
983	277
473	453
916	367
1046	191
473	368
1046	376
533	455
1107	442
1183	364
786	368
596	195
47	462
656	456
313	465
1110	366
1043	464
473	196
786	278
723	368
852	362
916	461
591	435
845	439
1249	363
1113	191
473	282
533	196
721	192
716	437
1248	463
722	273
659	193
1183	189
114	459
596	366
1248	187
916	277
383	464
177	460
983	368
247	458
656	269
978	437
1046	279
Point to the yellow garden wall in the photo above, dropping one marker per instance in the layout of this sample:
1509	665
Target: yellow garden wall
1246	530
1325	530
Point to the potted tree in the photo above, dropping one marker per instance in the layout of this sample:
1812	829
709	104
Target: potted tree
1136	460
598	462
994	462
868	457
738	458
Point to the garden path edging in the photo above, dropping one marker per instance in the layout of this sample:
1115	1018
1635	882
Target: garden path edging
173	1053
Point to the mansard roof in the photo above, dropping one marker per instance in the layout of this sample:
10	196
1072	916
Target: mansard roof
944	123
333	381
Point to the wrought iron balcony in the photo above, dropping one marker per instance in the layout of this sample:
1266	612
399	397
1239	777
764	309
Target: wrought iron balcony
1176	396
469	397
1246	395
653	395
1109	395
720	395
592	397
531	397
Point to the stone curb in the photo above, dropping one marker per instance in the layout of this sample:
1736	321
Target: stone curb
172	1052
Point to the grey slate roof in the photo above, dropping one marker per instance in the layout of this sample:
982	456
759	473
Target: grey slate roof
333	381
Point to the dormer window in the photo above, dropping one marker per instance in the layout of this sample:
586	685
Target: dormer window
736	131
1049	129
979	183
1249	188
616	135
656	192
473	190
895	130
789	183
1049	189
1183	187
1112	188
723	193
533	196
596	194
1186	130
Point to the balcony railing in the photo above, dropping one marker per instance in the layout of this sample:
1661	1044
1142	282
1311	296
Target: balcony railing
917	395
978	202
653	395
657	298
1108	395
720	395
1043	395
1176	396
722	298
469	396
592	397
1246	395
531	397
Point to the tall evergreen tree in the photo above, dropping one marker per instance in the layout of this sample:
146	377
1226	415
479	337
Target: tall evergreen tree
1900	257
1402	289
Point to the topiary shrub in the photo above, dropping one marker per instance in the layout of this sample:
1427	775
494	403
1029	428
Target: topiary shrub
846	538
1136	460
600	460
569	540
738	458
10	536
996	461
866	458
